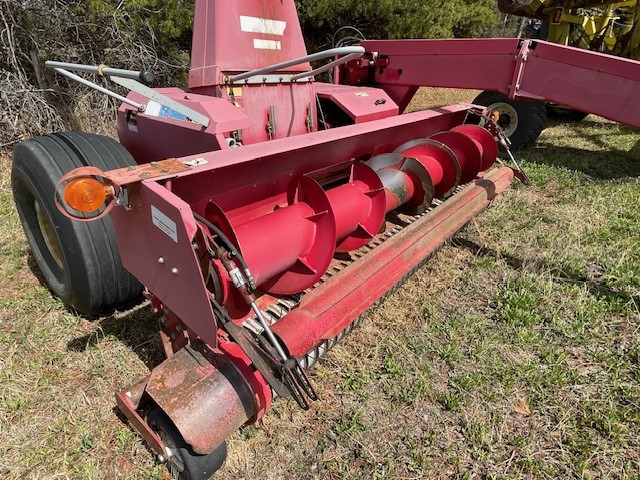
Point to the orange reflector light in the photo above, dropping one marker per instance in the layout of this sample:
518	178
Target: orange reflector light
86	194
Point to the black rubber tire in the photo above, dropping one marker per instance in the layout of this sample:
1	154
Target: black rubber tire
531	117
565	114
193	466
88	275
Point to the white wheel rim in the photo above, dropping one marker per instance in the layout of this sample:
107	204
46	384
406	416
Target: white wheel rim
48	234
508	117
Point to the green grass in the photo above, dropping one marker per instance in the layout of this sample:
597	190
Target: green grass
513	354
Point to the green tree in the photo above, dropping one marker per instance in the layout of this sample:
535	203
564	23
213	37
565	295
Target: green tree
397	18
170	21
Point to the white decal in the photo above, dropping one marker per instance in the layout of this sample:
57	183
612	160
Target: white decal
262	25
266	44
152	108
196	162
164	223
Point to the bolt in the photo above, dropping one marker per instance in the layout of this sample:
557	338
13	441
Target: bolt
175	271
161	260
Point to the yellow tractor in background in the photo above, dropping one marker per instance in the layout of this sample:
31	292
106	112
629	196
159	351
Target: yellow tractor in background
603	26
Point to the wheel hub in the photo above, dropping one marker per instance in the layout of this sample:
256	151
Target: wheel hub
508	117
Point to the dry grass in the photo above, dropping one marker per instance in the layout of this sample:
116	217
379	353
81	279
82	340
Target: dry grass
514	353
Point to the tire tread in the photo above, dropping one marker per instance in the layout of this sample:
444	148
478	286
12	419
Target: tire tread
39	162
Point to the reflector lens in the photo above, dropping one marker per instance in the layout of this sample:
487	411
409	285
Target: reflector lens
85	194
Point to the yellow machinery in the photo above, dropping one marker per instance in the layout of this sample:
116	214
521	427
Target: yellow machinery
602	26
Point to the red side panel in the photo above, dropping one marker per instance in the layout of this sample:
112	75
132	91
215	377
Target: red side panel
154	239
485	64
362	104
159	132
587	81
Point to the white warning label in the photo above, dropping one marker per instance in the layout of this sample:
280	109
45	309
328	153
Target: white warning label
164	223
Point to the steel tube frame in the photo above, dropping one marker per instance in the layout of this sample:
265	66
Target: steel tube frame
106	91
102	70
332	52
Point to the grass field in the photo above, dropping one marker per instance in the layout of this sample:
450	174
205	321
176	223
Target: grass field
514	353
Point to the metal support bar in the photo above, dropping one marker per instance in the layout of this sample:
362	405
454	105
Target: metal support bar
328	66
98	88
102	70
128	79
518	72
332	52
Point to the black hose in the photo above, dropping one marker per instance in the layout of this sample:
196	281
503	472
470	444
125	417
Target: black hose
232	249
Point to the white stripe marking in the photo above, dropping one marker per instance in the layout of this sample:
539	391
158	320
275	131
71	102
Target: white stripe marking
262	25
266	44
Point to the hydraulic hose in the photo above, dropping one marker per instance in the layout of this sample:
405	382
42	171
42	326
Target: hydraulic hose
232	249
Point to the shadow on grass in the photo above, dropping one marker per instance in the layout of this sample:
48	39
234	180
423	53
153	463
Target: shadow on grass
609	164
562	273
136	328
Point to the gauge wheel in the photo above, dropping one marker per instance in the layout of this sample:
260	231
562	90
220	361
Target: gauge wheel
521	120
183	463
79	262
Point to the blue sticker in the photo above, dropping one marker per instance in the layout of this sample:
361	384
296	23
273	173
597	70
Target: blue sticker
167	112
